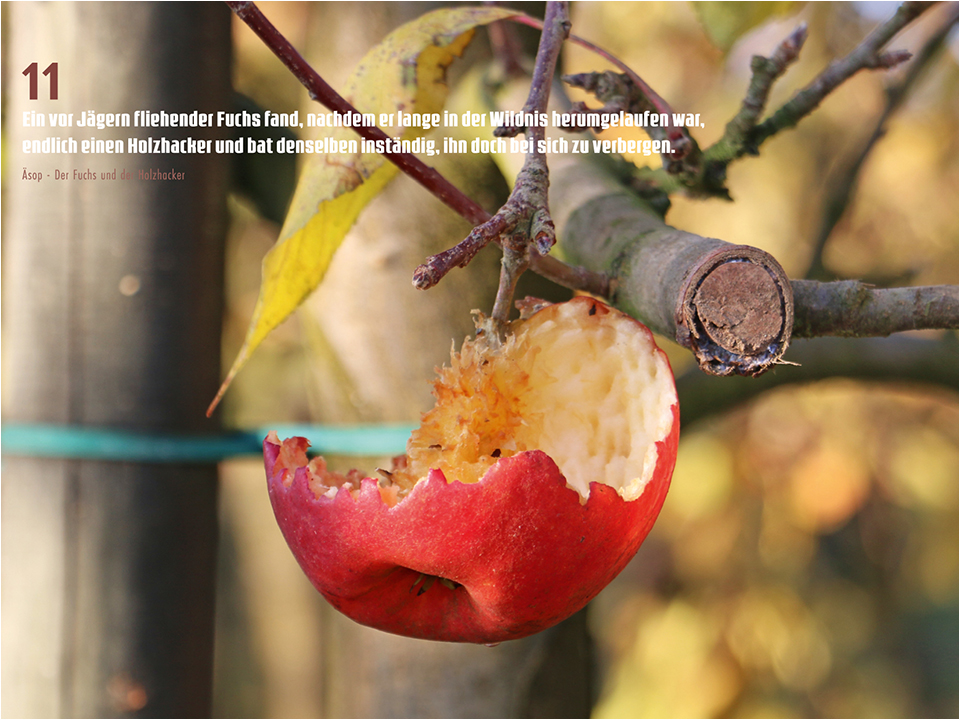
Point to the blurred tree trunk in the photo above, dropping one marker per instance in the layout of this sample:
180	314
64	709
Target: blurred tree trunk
378	342
112	317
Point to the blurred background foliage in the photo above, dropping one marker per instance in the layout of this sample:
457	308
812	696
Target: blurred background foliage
806	560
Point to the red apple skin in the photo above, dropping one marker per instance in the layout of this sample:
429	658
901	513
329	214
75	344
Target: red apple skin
523	550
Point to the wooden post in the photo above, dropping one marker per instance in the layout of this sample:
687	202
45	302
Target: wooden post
112	314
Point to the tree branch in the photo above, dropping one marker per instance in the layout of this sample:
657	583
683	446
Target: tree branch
731	304
704	173
865	56
842	185
850	308
530	227
525	218
548	266
328	97
627	92
764	72
682	144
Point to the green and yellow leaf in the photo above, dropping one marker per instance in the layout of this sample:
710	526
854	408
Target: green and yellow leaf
406	72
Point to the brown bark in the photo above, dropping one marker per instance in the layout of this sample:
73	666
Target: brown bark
850	308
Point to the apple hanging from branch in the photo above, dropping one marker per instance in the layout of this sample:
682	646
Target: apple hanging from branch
536	476
526	490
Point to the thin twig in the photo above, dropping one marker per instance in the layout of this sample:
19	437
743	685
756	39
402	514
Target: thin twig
680	140
410	164
842	186
704	174
527	208
525	218
764	72
865	56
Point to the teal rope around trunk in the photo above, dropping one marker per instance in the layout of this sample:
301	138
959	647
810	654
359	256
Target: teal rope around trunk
87	443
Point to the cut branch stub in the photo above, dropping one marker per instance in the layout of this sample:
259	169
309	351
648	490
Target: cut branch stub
735	311
732	305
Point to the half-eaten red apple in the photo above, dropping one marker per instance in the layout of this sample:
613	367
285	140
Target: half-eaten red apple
525	491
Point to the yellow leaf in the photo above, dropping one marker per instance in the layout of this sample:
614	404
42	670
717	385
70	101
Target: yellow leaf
406	72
